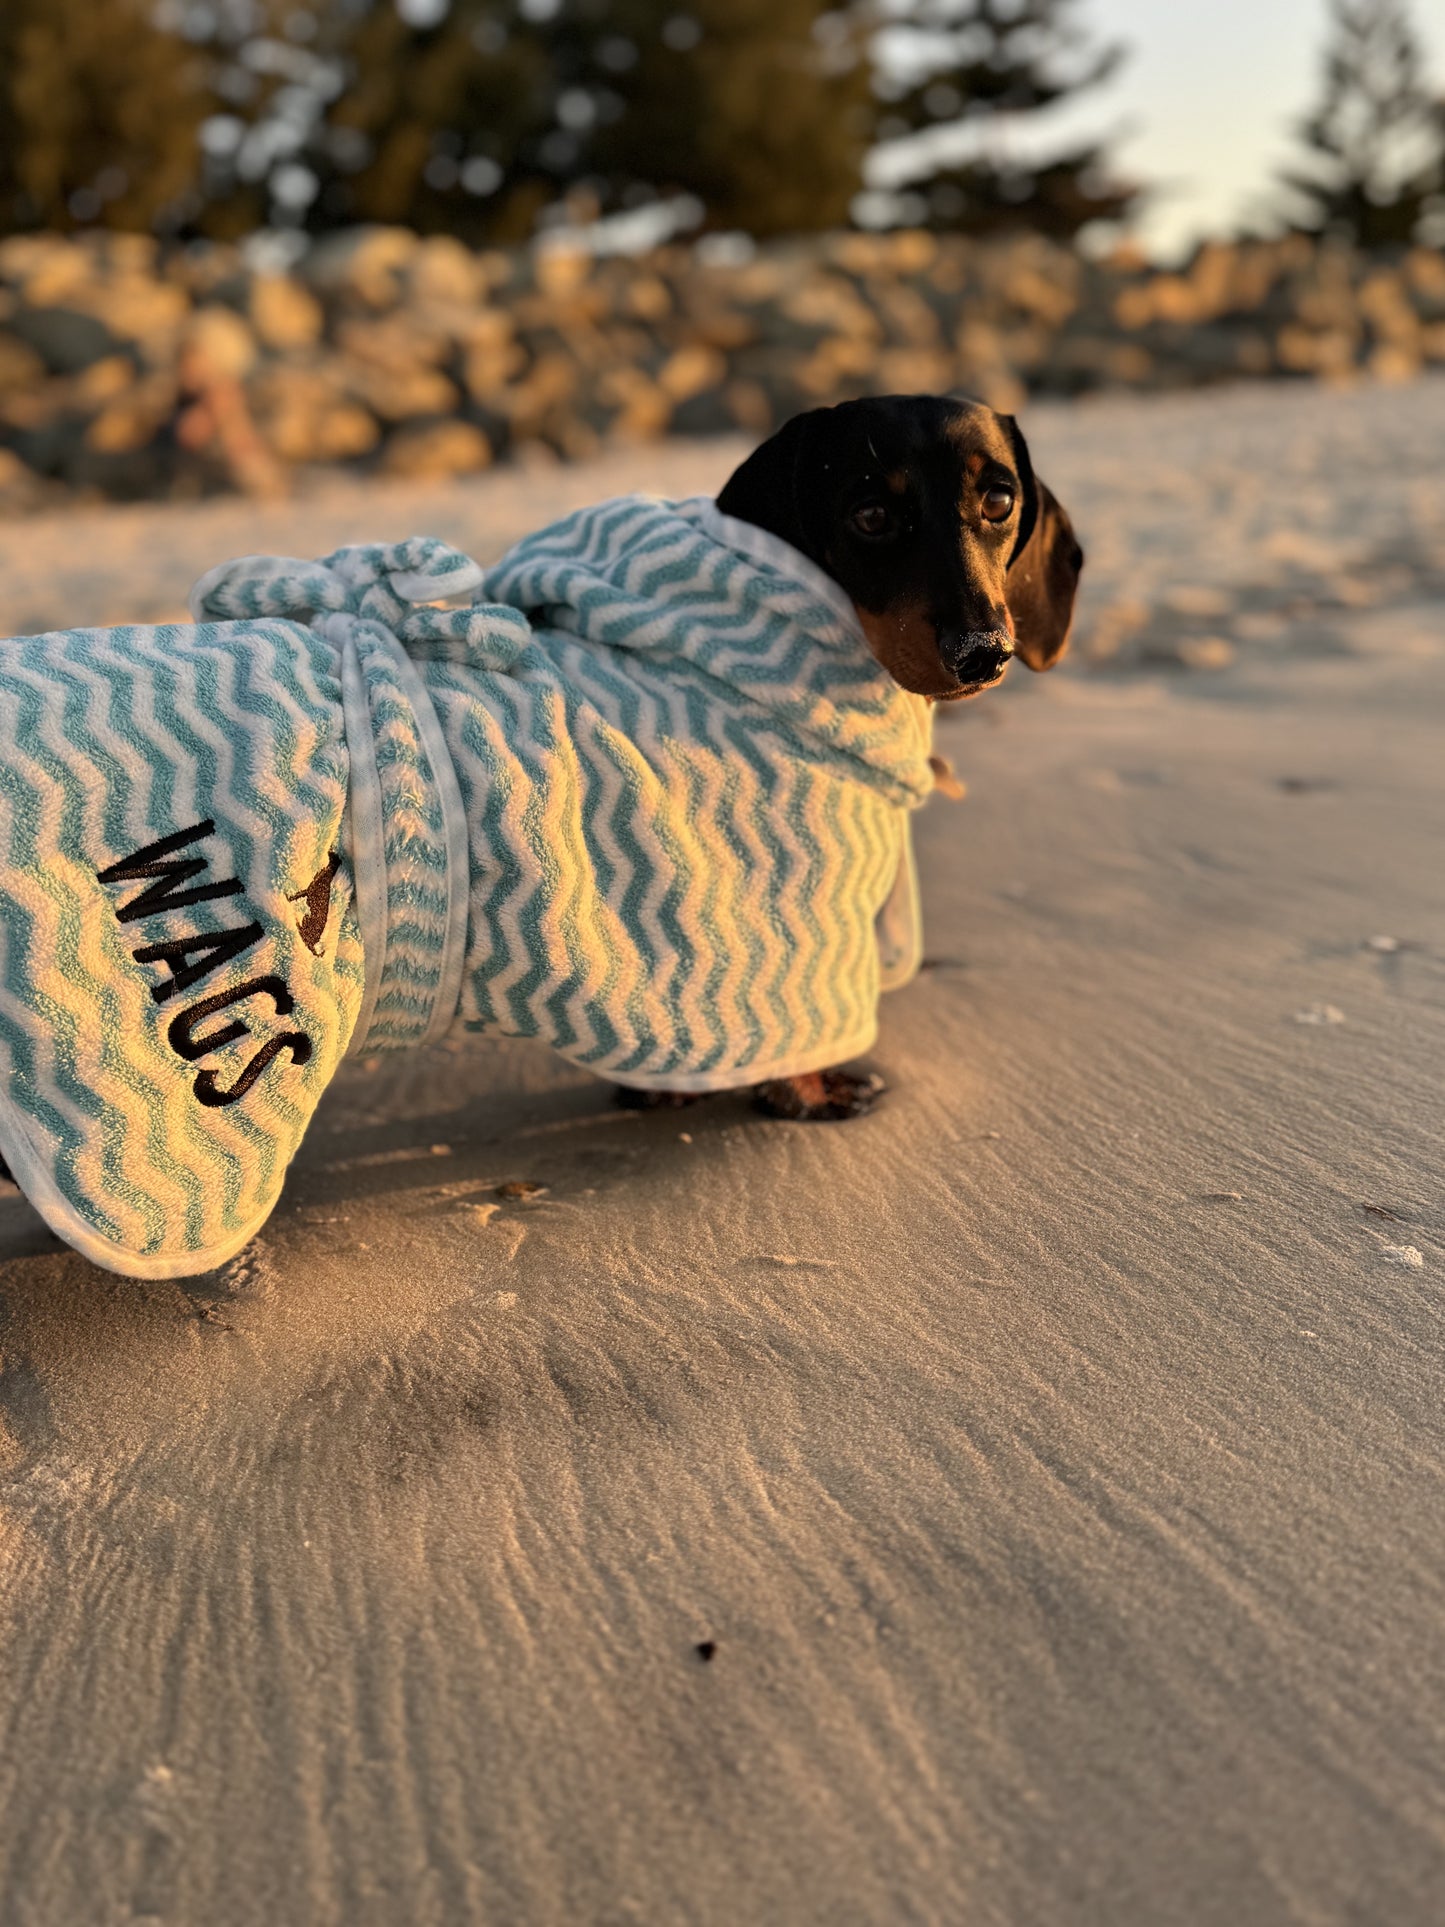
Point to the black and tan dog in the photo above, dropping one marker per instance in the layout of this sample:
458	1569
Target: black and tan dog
925	514
926	511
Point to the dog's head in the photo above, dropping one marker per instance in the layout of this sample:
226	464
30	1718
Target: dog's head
927	513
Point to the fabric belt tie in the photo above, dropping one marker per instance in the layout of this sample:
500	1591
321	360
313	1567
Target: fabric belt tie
406	821
372	875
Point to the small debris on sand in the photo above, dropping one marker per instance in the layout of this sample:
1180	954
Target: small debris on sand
1222	1197
1382	1211
795	1264
1406	1256
522	1190
705	1648
1194	652
512	1234
946	780
1387	946
1320	1014
403	1154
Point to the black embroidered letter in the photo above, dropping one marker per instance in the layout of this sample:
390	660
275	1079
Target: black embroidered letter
162	894
296	1041
181	1031
221	946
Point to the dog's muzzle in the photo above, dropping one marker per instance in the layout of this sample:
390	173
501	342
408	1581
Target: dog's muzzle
977	657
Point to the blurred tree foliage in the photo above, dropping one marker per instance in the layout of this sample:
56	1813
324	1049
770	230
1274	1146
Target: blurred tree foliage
99	113
968	73
1375	143
488	118
478	117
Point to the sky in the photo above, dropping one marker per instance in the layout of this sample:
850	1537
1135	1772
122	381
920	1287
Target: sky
1208	96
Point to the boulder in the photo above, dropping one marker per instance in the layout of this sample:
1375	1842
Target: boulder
397	394
124	363
284	314
217	343
690	370
441	273
20	486
65	339
304	416
362	267
436	450
134	307
21	368
133	418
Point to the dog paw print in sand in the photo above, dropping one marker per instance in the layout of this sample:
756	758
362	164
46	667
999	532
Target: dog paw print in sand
505	1233
250	1274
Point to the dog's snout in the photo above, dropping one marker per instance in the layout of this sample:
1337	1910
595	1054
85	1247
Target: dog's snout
976	655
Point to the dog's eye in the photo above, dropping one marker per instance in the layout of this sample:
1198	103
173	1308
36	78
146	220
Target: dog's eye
872	519
998	503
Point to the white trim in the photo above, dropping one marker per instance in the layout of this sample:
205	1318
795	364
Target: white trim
418	586
32	1173
366	844
455	839
898	927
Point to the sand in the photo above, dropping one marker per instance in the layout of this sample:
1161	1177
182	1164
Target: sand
1022	1505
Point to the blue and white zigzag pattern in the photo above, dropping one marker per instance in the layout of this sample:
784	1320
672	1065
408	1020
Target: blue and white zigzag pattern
649	803
112	741
687	800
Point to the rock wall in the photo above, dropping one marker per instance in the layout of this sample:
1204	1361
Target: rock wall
128	372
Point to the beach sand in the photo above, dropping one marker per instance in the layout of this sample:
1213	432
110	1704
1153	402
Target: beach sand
1022	1505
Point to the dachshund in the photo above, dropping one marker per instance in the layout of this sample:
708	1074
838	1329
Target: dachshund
925	514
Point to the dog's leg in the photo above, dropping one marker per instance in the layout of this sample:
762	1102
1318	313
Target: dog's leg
819	1096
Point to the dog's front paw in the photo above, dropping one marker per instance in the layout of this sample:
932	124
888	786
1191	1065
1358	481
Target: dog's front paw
820	1096
629	1098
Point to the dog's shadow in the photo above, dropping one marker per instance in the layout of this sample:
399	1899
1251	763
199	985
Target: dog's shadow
390	1295
412	1146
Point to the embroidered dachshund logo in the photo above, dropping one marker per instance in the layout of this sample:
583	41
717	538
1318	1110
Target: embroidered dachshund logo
317	898
191	959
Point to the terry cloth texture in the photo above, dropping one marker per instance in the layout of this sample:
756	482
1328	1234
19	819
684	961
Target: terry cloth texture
647	802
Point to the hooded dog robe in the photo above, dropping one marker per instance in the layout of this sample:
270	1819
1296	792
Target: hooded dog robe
648	801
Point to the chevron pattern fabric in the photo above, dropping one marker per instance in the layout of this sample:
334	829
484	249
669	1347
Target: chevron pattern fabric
648	802
164	793
687	793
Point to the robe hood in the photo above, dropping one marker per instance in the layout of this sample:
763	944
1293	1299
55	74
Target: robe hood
743	607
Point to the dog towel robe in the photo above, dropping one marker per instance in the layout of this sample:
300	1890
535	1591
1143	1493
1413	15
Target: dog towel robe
648	801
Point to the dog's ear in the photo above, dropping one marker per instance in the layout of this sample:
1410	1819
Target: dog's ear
1043	571
766	490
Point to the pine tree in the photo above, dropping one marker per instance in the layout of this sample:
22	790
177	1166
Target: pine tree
477	116
1376	140
758	108
99	111
975	69
441	107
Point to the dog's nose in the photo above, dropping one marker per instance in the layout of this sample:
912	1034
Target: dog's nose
977	655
